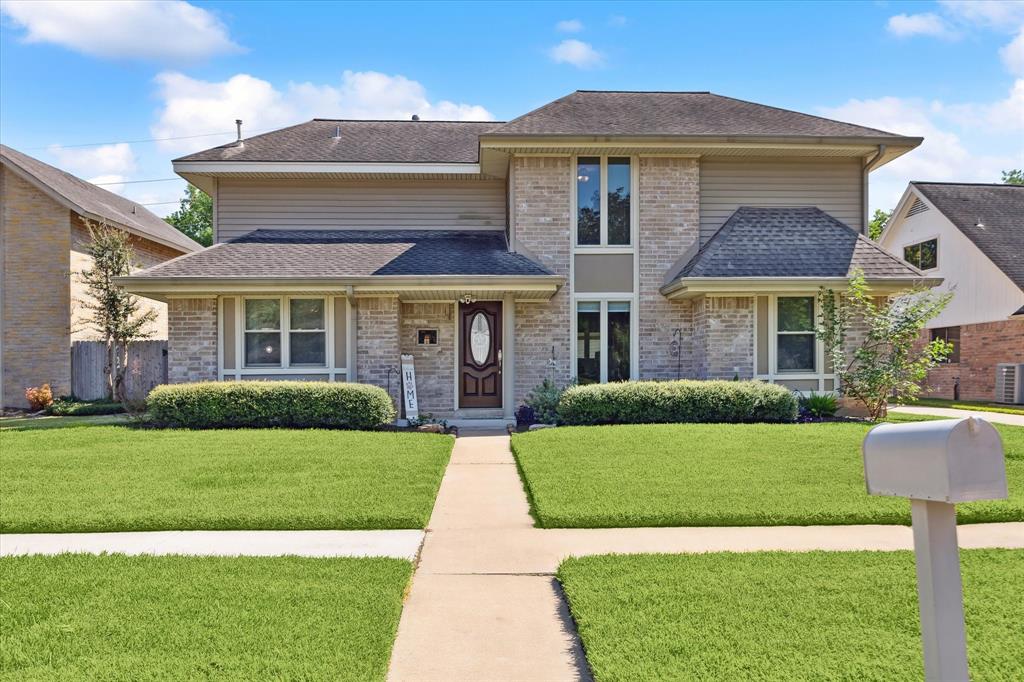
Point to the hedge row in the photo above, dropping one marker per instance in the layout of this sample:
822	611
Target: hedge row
265	404
659	402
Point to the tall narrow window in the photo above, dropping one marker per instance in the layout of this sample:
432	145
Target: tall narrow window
618	201
618	341
588	200
923	255
262	332
588	342
796	347
307	335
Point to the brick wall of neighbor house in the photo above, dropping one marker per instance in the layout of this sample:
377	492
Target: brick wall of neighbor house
147	253
192	340
36	337
435	365
727	336
377	347
982	347
669	210
541	222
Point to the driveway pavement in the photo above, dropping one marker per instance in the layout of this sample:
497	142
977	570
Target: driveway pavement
994	417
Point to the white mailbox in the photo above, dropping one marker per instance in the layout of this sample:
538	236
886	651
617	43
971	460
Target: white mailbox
955	460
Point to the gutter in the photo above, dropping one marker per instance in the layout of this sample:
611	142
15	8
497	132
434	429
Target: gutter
869	166
692	286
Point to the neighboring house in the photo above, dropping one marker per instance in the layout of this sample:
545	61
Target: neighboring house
604	236
43	240
972	236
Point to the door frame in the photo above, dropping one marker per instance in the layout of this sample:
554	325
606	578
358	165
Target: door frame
457	378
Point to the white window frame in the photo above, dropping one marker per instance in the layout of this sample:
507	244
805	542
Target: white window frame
776	376
604	246
336	369
604	300
916	242
291	331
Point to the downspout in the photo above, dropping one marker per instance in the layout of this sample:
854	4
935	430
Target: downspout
869	166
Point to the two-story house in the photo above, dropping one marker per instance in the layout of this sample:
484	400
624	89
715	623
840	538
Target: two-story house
972	236
604	236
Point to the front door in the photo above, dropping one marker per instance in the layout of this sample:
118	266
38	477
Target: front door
480	354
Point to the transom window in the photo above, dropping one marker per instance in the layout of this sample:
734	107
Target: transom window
922	255
304	332
603	195
795	339
602	341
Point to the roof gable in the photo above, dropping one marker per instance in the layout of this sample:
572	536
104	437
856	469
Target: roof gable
95	202
990	215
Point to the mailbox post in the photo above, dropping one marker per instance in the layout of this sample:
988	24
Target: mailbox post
937	464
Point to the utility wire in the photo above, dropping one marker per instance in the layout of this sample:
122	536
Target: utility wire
151	139
133	182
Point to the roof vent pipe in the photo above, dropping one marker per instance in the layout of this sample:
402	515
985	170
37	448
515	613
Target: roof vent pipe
238	126
415	117
337	132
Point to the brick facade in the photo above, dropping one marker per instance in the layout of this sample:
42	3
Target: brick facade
726	337
541	222
435	365
377	346
192	342
669	210
982	347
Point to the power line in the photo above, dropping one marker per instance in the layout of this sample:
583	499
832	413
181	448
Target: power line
151	139
160	203
133	182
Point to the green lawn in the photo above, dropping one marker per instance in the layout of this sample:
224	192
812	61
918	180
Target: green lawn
977	405
113	617
783	616
113	478
721	475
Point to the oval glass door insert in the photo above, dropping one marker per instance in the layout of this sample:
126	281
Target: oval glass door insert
480	338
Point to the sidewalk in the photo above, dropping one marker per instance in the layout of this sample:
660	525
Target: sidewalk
484	603
994	417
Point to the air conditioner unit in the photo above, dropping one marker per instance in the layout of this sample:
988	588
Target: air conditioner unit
1010	383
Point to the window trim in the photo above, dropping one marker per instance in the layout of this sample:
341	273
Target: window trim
604	299
783	332
604	246
774	376
918	242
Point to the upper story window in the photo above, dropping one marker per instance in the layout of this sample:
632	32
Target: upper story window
922	255
603	195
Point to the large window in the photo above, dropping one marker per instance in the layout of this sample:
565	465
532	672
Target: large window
603	330
305	331
795	350
603	195
923	255
950	335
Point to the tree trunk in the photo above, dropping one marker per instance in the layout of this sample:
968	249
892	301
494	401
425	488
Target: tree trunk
109	369
121	366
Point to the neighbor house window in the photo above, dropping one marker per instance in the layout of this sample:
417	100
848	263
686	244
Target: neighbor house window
304	326
603	332
795	350
307	336
262	332
923	255
603	196
950	335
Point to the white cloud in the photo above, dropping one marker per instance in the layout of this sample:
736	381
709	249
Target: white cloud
577	53
1013	54
1006	115
170	30
998	14
109	159
927	24
943	156
111	183
192	106
569	26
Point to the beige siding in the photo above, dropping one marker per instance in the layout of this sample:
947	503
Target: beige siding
228	331
600	273
833	186
246	205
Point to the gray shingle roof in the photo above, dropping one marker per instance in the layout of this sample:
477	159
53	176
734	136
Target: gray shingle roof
792	242
87	198
999	209
360	141
318	254
587	112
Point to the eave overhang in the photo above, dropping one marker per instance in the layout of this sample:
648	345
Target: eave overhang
688	287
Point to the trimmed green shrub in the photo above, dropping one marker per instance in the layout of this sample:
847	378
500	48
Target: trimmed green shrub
662	402
269	404
819	405
543	399
69	407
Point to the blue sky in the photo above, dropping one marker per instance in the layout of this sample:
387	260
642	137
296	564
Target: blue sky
86	72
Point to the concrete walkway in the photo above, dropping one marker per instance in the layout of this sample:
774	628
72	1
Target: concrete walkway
994	417
484	604
400	544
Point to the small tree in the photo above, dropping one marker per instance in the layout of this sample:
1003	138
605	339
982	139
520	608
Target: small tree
1014	176
889	363
877	222
112	312
194	216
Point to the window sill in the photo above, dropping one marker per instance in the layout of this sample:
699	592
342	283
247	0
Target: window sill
593	248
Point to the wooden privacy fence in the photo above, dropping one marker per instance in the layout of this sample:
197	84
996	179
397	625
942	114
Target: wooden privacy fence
147	367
